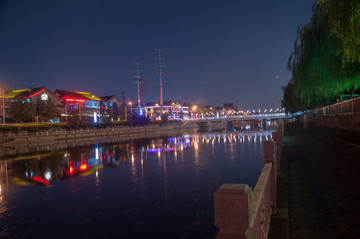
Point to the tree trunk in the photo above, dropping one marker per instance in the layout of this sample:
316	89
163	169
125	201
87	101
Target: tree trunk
352	89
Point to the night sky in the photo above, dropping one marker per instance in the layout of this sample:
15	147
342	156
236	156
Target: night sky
215	51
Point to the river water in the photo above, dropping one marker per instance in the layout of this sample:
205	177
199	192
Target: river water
150	188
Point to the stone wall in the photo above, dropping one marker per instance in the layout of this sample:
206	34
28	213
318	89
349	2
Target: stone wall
54	140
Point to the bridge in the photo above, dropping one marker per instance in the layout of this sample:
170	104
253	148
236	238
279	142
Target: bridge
245	117
264	121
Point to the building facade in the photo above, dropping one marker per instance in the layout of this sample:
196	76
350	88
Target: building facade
110	108
32	96
84	105
172	112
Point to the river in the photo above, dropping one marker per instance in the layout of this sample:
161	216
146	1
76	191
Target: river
147	188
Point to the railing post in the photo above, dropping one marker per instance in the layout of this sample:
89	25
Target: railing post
269	148
232	209
276	138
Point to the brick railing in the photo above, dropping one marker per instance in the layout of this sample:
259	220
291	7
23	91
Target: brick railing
241	212
343	115
346	107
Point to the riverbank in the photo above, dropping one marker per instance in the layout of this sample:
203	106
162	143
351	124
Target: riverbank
322	182
23	142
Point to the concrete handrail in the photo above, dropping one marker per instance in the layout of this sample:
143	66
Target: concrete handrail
261	212
243	213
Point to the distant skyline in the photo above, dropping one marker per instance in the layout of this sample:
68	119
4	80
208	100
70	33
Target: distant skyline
215	51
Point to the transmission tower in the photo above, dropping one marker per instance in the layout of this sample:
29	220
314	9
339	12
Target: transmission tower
138	82
160	66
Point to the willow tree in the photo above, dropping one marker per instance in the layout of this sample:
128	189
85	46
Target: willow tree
343	17
291	102
319	71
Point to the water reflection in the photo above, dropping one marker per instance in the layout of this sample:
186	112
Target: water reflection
173	178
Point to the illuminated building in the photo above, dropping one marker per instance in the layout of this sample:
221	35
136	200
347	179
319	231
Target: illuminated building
110	107
83	104
34	95
173	111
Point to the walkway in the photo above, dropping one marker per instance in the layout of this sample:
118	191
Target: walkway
323	177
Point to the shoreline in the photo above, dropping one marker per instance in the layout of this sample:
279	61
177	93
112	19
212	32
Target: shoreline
12	143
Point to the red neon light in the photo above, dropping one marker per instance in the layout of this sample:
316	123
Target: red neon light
72	100
36	93
45	181
71	169
83	167
40	180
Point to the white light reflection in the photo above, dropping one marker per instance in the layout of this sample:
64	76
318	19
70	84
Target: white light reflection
196	145
47	175
97	153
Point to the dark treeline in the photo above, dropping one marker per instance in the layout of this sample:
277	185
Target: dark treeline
325	62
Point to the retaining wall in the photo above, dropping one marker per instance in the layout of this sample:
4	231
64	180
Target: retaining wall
53	140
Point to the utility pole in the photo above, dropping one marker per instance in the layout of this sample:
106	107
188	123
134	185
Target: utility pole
142	89
138	79
160	72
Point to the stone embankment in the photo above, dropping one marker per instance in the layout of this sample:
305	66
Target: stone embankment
12	143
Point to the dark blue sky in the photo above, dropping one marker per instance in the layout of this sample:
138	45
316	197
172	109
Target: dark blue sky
216	51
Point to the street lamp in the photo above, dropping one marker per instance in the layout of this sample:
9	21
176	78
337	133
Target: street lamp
126	109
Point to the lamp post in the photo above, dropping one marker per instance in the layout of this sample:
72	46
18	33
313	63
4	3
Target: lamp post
126	109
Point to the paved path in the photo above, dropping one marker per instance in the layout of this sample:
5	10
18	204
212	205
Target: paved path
323	179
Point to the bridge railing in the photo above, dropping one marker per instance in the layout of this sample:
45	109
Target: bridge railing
346	107
256	116
241	212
